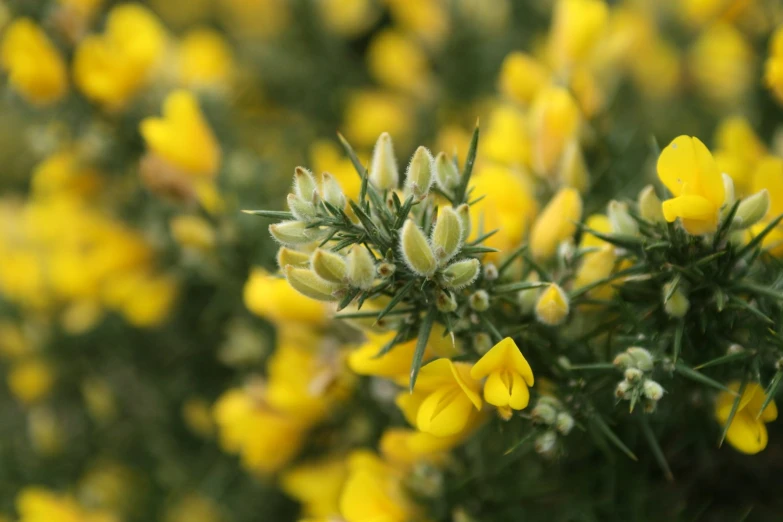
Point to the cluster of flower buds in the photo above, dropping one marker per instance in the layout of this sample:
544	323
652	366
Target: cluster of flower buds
637	364
551	414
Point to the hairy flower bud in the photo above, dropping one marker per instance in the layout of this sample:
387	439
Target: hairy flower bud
564	423
386	269
623	361
633	375
751	210
544	413
446	175
304	185
678	304
650	205
463	212
287	256
361	267
446	235
329	266
642	359
621	221
292	232
491	272
623	390
383	167
482	343
445	302
652	390
307	283
461	273
552	306
331	191
728	190
416	250
545	443
479	300
301	209
555	223
419	177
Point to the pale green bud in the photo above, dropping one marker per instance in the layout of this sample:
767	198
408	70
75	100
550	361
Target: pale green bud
446	235
544	413
329	266
386	270
551	401
418	179
301	209
642	359
292	232
729	196
461	273
463	212
361	267
652	390
491	272
564	423
304	185
445	302
383	167
678	304
331	191
479	300
482	343
633	375
621	221
527	299
623	360
287	256
416	250
650	206
735	348
446	175
573	169
307	283
751	210
545	443
623	390
552	306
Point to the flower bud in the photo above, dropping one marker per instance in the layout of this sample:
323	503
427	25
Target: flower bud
564	423
556	223
623	390
446	175
573	169
633	375
445	302
623	361
301	209
331	191
479	300
482	343
621	221
545	443
491	272
527	298
383	168
329	266
307	283
462	273
292	232
446	235
416	250
751	210
386	270
552	306
463	211
642	359
650	205
287	256
544	414
729	196
678	304
361	267
652	390
304	185
418	179
735	348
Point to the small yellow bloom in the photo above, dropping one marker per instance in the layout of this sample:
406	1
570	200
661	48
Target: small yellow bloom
63	173
722	64
427	19
738	152
34	65
769	175
370	113
327	156
576	26
273	298
205	59
348	17
552	306
690	173
506	137
182	136
554	121
445	399
30	380
556	223
192	232
39	505
317	485
84	8
395	60
148	299
374	491
521	77
508	377
747	433
773	67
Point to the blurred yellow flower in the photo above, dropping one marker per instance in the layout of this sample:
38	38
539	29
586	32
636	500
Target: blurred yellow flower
374	491
554	121
35	66
63	173
111	67
144	300
253	19
99	399
688	170
395	60
273	298
327	156
182	136
317	485
194	508
39	505
30	380
348	17
521	77
508	377
769	175
405	447
192	232
576	26
747	433
84	8
506	139
722	64
369	113
773	67
556	223
205	59
428	19
738	152
599	263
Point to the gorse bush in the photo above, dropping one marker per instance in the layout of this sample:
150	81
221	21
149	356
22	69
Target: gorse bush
535	275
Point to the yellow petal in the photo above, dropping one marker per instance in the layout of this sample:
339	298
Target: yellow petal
687	167
444	412
504	355
756	399
469	385
747	434
689	207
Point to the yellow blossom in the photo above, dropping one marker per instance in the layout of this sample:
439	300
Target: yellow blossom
64	173
317	485
253	19
370	113
773	67
722	64
521	77
34	65
84	8
508	377
348	17
30	380
445	399
659	74
427	19
576	26
690	173
373	491
769	175
395	60
506	137
273	298
182	136
205	59
747	433
45	431
738	152
556	223
552	306
39	505
597	264
144	300
192	232
554	121
405	447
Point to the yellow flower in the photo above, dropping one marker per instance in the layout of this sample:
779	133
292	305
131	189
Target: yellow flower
552	306
506	138
347	17
34	65
110	68
690	173
182	136
370	113
722	64
192	232
773	68
205	59
374	492
747	433
427	19
508	377
396	61
554	121
144	300
576	26
273	298
264	439
39	505
597	264
254	18
317	485
405	447
738	152
63	173
30	380
521	77
445	399
84	8
659	74
556	223
769	175
327	156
